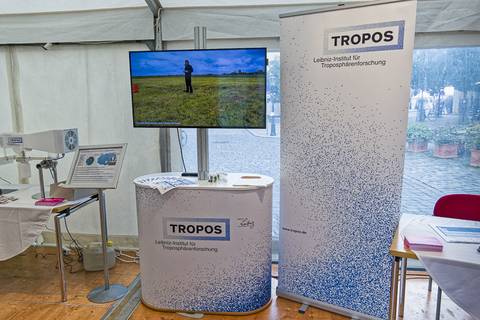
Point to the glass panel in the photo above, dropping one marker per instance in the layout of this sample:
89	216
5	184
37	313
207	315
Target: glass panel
443	138
252	150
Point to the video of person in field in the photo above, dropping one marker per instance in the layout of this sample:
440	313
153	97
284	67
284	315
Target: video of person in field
199	88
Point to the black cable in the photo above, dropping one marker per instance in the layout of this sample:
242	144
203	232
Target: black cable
181	150
5	180
68	260
76	244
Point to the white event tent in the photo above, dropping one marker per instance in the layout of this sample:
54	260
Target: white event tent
82	81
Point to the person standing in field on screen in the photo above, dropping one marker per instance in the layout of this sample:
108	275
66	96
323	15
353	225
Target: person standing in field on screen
188	76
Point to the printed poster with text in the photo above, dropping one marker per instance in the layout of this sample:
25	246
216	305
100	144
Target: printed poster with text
345	94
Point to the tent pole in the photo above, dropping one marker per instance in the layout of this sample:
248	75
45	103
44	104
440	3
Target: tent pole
200	42
165	151
15	101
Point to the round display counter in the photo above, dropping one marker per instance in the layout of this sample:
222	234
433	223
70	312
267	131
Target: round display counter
205	247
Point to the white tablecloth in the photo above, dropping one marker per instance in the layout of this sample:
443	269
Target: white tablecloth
458	279
21	222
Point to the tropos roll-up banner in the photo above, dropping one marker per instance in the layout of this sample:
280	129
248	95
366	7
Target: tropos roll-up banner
345	95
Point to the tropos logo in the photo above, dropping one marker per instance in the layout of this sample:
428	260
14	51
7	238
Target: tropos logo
363	38
196	228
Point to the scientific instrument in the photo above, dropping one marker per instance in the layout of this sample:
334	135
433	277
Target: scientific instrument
56	142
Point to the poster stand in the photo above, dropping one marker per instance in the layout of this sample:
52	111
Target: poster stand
98	167
345	95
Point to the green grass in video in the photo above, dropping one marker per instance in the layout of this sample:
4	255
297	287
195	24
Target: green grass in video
216	101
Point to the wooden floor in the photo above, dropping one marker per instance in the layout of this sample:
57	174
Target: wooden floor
29	290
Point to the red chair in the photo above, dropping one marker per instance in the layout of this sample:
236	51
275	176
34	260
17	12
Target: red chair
456	206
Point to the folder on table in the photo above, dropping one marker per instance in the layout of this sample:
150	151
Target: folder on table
422	243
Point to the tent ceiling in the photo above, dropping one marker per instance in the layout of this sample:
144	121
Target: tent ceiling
52	6
440	22
60	21
33	21
236	3
44	6
73	21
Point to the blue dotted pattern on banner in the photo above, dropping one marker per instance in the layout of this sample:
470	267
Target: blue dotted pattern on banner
227	293
341	173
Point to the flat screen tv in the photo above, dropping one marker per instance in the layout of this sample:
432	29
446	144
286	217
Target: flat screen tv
221	88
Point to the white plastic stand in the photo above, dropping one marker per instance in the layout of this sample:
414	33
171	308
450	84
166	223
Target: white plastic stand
228	271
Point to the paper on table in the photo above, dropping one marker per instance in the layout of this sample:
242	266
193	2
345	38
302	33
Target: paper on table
456	233
7	199
164	183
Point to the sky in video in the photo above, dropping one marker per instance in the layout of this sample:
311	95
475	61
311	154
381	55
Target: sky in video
204	62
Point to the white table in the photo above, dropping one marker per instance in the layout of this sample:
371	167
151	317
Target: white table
454	257
26	222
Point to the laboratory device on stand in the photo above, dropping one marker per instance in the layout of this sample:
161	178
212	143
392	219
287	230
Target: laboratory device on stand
57	142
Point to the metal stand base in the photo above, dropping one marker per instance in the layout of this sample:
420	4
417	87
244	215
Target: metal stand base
108	292
351	314
100	295
303	308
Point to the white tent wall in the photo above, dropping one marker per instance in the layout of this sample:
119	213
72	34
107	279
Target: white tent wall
45	6
448	15
425	40
87	87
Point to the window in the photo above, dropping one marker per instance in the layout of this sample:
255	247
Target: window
443	138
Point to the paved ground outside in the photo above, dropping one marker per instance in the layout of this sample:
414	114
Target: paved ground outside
425	178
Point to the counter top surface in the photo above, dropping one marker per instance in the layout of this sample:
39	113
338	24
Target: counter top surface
228	181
